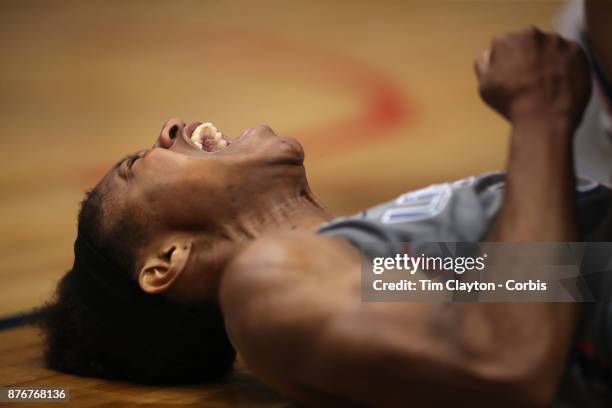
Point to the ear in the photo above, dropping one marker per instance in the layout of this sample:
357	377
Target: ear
161	269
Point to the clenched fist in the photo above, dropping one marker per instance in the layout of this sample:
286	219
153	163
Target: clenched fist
531	74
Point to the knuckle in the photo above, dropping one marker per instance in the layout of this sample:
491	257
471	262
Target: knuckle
560	41
575	48
498	40
577	53
534	31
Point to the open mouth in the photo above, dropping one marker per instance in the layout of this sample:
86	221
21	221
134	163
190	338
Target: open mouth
207	138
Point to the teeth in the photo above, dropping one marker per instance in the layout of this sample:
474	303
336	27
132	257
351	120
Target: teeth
196	137
197	143
208	130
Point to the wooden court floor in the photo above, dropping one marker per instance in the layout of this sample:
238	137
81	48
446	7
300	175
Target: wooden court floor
381	94
21	366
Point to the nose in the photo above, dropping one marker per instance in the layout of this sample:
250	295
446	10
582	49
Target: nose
169	133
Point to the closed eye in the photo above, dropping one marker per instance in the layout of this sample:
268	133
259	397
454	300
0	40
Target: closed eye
132	160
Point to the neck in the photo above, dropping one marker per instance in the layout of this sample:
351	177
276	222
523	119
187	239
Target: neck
302	212
273	214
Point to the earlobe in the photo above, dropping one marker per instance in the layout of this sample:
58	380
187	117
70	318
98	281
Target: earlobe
162	269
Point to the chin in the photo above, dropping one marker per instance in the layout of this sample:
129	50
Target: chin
292	151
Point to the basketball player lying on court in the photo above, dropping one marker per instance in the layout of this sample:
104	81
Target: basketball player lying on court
201	247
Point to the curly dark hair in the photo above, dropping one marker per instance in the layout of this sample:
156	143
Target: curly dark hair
77	344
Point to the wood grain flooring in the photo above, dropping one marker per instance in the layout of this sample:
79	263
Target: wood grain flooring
381	94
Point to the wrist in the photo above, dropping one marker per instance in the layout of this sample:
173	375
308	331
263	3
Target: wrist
559	115
558	128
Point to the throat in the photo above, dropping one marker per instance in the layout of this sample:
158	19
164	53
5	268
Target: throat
303	213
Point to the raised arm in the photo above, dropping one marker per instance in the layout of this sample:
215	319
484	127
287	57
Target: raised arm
540	83
293	302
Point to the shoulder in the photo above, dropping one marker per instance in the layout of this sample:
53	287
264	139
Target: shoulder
279	293
280	271
291	251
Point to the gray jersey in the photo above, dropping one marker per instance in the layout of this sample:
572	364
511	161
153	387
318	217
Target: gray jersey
465	211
